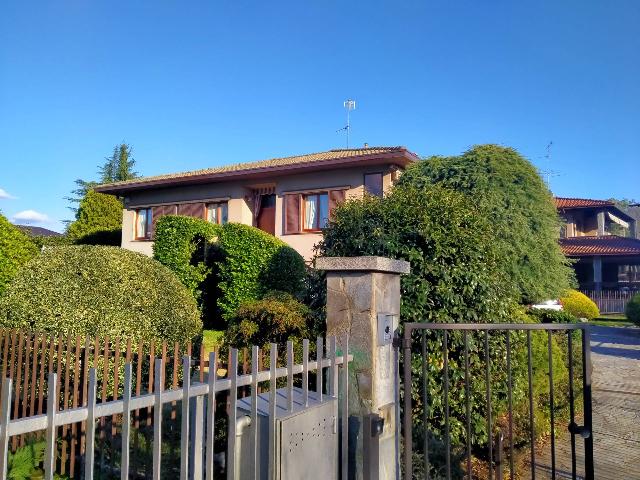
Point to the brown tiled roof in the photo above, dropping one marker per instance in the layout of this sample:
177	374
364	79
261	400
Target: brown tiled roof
605	245
563	202
311	159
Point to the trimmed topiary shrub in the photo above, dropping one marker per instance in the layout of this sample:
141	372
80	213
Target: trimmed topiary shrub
276	318
579	305
16	249
100	291
98	220
632	310
254	263
180	243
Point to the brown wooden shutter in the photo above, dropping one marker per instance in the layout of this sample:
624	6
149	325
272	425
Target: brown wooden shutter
336	197
292	213
191	210
160	211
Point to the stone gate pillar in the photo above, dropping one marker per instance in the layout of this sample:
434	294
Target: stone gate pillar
363	300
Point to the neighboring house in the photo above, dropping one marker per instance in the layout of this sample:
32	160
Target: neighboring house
602	240
38	231
290	197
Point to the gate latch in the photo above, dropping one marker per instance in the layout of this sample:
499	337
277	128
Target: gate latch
579	430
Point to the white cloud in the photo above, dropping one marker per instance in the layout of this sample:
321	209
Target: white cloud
31	216
4	195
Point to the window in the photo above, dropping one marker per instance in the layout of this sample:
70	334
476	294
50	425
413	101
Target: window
143	224
218	213
315	211
373	184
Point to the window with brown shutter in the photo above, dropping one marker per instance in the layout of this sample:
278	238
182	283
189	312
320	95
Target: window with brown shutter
160	211
292	213
373	184
336	197
192	210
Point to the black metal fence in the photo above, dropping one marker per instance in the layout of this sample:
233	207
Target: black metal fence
496	401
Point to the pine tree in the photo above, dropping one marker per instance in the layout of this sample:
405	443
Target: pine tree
119	166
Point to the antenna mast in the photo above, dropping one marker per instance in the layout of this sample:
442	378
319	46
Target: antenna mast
349	105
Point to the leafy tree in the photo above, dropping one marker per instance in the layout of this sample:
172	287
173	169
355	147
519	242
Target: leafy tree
455	274
506	189
98	215
118	167
16	249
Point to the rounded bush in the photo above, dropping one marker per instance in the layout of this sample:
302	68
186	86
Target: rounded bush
276	318
544	315
254	263
579	305
633	309
98	220
100	291
16	249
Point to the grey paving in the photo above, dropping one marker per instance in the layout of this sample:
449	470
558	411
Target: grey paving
616	409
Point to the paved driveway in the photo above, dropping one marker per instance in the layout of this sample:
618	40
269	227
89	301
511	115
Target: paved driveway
616	408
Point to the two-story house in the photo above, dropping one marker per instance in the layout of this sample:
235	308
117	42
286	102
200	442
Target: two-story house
603	241
291	197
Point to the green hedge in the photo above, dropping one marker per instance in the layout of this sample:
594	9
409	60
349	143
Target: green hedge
16	248
633	309
254	263
180	244
276	318
100	291
226	265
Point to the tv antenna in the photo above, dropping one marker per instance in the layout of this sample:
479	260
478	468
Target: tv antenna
548	173
348	105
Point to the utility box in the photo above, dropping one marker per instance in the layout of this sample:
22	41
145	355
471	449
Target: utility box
306	443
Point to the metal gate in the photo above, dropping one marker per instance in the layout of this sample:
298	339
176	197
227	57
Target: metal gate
496	401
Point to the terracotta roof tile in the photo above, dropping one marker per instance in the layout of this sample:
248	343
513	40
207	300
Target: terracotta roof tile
310	158
563	202
606	245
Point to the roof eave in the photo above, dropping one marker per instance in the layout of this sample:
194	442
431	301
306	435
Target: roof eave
401	158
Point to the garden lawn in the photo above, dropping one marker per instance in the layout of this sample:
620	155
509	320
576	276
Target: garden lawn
211	339
612	320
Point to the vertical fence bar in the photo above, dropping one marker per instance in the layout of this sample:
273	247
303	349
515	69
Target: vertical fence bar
290	375
255	354
488	389
407	420
126	422
333	370
467	395
425	397
157	418
184	430
211	416
305	372
510	405
233	415
75	393
85	386
345	408
551	405
445	353
5	416
572	413
273	360
319	370
50	451
532	435
588	414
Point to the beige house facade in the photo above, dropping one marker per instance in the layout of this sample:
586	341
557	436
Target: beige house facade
290	197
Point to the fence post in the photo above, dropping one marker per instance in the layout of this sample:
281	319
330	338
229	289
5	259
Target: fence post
363	301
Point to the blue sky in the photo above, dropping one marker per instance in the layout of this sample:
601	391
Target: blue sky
204	83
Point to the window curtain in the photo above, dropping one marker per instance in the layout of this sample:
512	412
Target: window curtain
310	212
